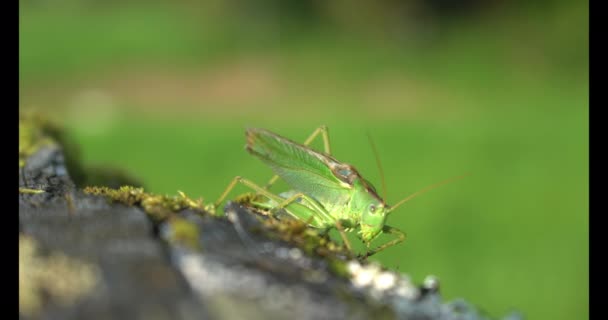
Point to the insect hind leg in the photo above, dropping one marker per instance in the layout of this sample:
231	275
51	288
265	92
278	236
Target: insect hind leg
212	207
324	131
321	130
232	184
311	210
322	214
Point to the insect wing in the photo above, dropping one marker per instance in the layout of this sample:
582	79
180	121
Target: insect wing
302	168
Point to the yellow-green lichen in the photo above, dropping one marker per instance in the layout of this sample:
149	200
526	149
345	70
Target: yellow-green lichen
69	201
30	191
56	276
184	232
159	207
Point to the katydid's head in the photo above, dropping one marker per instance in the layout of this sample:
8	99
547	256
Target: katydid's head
372	221
375	210
372	208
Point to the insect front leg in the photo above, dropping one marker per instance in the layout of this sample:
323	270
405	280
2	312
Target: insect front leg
389	230
324	132
343	236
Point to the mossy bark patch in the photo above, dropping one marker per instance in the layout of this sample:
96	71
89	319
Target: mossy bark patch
159	207
34	132
37	132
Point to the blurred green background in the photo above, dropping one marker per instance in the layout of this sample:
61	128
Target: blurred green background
495	88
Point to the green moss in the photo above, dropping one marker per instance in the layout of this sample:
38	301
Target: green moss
37	130
158	207
161	209
298	233
310	240
33	134
127	195
109	177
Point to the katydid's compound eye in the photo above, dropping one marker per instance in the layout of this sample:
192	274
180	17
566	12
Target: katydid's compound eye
344	172
372	208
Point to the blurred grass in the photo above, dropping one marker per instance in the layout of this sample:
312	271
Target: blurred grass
504	98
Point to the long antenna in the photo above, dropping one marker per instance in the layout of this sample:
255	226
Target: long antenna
417	193
379	164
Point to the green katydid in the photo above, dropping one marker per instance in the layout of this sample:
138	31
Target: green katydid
326	192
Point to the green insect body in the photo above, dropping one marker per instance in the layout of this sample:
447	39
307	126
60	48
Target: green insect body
333	190
326	193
